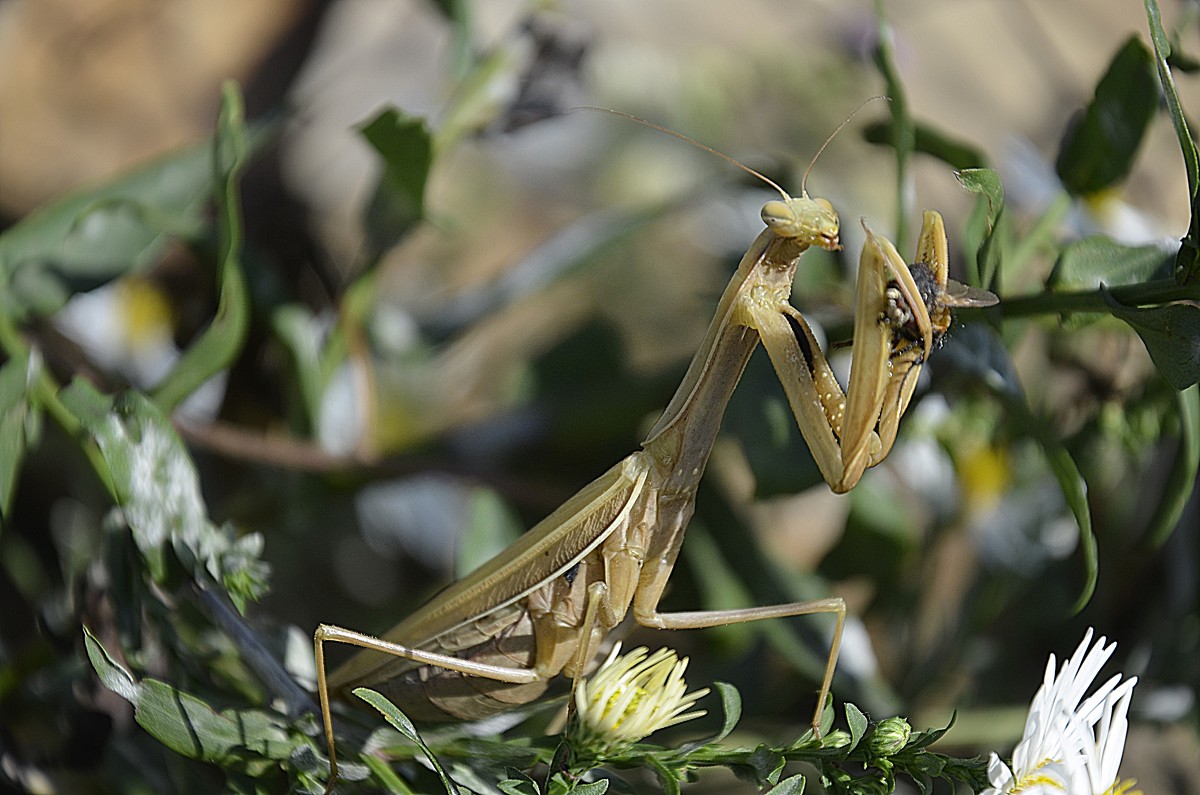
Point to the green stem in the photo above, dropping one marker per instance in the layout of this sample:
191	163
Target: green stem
903	129
1040	235
1159	291
44	391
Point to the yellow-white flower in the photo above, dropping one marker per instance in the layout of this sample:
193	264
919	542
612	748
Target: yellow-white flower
1071	746
632	696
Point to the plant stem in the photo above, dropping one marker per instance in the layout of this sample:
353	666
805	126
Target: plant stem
1159	291
44	392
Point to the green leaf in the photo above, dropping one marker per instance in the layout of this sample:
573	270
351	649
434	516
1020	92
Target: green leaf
731	710
758	415
402	724
992	366
96	234
383	773
1181	480
792	785
1073	487
1086	264
903	130
986	221
518	783
491	528
19	422
767	763
405	145
391	714
1170	332
1187	262
185	723
597	787
956	153
858	723
159	493
1099	146
219	344
294	328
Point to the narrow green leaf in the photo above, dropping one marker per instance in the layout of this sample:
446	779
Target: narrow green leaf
667	778
858	723
990	370
406	147
185	723
826	718
295	328
956	153
384	774
986	219
1086	264
1181	480
1187	262
758	415
984	181
903	130
597	787
111	674
1073	487
518	783
1170	332
1099	146
18	421
491	528
731	710
924	739
98	233
391	714
219	344
767	764
792	785
402	724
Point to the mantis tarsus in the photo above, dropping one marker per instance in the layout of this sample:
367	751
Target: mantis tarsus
543	606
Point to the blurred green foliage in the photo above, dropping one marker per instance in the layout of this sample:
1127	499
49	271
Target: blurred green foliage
132	561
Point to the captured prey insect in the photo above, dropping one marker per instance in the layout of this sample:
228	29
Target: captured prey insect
543	606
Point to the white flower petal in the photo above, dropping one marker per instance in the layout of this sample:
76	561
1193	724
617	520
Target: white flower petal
1071	745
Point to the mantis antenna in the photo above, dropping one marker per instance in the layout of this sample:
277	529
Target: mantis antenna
727	158
838	129
691	141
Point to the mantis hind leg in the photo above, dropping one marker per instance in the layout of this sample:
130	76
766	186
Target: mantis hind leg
329	633
598	606
699	619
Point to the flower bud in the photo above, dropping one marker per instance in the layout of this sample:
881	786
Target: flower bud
889	737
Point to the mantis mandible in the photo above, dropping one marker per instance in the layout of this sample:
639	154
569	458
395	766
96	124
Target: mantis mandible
543	606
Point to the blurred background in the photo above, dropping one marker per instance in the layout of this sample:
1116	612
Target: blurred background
408	399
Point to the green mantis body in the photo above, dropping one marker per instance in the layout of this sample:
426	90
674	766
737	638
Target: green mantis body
543	606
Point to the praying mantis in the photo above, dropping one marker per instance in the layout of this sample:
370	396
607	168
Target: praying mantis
543	606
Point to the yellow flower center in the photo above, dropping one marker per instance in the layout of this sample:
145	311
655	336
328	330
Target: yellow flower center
1125	787
1036	778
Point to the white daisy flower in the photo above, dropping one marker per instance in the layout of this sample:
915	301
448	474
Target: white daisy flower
632	696
1071	745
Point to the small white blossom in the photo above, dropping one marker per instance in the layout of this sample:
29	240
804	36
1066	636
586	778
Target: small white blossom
1071	745
632	696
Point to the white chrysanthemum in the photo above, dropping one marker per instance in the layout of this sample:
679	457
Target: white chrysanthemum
1070	745
632	696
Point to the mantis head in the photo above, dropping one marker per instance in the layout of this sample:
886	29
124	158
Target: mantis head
811	221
